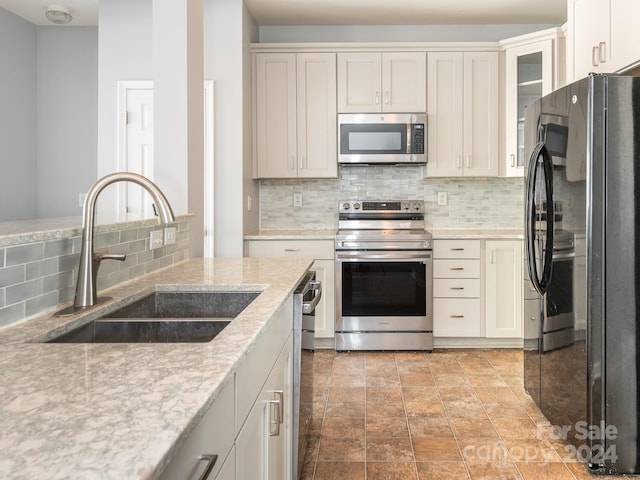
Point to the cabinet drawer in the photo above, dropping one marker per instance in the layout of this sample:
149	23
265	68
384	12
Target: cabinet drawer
318	249
456	249
213	435
448	268
456	317
459	288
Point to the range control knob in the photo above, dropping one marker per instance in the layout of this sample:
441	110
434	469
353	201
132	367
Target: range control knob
405	206
416	207
356	206
346	206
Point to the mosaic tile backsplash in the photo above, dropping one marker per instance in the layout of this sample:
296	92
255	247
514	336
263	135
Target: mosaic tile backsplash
35	277
471	202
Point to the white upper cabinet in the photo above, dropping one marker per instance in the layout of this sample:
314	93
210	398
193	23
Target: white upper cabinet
370	82
463	136
531	70
295	115
603	36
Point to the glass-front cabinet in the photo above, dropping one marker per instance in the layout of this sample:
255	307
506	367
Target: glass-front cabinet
530	72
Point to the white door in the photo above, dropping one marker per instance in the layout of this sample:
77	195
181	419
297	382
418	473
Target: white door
139	149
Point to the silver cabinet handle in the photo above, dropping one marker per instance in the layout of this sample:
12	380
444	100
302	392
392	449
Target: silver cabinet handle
459	249
274	423
280	395
602	52
301	158
459	161
456	268
594	56
211	462
457	288
292	162
513	160
456	316
386	97
467	160
377	98
291	249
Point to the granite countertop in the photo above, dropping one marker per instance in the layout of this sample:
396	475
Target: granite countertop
307	234
442	233
120	411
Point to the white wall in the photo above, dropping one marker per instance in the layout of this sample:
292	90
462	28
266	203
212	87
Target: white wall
226	64
67	134
18	110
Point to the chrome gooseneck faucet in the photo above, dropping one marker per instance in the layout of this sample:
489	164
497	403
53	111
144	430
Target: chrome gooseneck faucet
86	291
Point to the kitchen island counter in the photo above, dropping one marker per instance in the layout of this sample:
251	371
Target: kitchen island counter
121	411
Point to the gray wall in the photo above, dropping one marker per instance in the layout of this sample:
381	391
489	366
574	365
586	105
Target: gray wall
18	111
67	117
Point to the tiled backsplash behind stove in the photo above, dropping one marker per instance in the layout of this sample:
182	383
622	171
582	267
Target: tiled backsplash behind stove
471	202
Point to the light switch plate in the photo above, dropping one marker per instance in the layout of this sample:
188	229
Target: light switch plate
155	239
170	235
297	199
442	198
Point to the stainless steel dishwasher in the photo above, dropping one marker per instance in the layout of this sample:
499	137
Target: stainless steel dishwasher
306	298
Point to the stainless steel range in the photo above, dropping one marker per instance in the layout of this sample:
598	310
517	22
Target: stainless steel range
383	276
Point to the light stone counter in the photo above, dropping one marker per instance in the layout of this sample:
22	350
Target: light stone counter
308	234
477	233
120	411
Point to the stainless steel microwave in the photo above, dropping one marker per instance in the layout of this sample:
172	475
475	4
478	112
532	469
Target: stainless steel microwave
382	138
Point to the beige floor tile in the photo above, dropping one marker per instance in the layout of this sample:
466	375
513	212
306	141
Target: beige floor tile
516	427
340	471
391	471
472	427
429	426
422	408
464	409
381	449
458	393
493	380
544	471
442	471
416	379
387	427
531	450
483	450
346	394
385	409
495	394
435	449
343	427
384	394
420	394
334	449
345	409
451	380
347	380
505	409
493	471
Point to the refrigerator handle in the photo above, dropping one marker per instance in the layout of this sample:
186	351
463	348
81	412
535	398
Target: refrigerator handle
540	283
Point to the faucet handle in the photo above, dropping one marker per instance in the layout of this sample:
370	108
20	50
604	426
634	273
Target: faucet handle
98	257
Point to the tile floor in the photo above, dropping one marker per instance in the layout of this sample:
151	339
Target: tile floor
449	414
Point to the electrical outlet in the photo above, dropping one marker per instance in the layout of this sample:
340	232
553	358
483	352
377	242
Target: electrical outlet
442	198
155	239
297	199
170	235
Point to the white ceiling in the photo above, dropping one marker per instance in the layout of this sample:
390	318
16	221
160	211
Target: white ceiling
346	12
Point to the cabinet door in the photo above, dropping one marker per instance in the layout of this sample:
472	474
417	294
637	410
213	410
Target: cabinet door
263	446
444	102
404	82
359	82
625	47
276	115
503	277
325	311
481	135
591	37
529	75
316	115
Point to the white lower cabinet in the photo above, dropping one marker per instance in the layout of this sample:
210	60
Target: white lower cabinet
323	251
264	443
213	435
503	287
478	291
456	288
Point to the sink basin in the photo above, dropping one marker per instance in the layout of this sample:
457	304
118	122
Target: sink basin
164	317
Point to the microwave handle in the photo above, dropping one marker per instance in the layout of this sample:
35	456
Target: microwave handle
409	139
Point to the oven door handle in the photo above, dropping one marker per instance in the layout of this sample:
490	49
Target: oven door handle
310	306
384	256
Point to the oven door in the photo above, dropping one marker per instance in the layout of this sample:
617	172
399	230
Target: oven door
384	291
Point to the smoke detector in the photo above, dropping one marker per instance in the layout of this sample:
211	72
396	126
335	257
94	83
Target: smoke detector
58	14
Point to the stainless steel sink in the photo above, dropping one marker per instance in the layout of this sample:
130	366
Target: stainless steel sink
164	317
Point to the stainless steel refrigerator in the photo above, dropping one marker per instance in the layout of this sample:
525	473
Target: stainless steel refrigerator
582	220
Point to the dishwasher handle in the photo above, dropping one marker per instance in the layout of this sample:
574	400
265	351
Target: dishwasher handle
310	306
